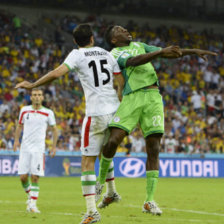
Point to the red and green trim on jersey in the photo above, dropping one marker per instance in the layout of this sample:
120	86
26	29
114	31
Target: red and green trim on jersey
32	111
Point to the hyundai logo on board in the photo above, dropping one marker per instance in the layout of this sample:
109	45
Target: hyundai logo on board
132	167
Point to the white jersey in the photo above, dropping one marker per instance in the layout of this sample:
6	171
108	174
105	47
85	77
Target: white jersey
95	67
35	124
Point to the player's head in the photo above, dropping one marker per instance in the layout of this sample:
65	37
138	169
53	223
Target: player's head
37	96
83	35
117	36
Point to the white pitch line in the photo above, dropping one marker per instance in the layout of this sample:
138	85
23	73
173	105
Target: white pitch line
197	212
135	206
113	216
182	210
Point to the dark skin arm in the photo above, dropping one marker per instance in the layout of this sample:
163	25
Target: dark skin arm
200	53
168	52
175	51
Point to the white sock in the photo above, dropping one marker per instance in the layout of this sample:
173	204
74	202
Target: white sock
90	204
111	189
88	180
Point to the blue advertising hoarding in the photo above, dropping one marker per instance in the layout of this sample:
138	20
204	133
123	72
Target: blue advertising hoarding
131	167
171	167
57	166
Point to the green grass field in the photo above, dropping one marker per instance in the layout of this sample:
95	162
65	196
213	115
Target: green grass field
182	201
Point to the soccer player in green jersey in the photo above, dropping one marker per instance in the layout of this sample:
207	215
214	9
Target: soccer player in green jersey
141	104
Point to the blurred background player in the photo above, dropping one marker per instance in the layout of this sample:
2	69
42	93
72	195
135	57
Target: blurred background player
95	67
141	104
33	121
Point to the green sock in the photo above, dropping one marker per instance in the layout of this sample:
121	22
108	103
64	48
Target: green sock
152	179
26	186
104	166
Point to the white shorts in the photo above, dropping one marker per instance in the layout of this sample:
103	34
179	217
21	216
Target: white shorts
31	163
95	134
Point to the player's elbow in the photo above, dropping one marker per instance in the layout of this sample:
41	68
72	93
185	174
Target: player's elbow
55	130
136	61
131	62
54	74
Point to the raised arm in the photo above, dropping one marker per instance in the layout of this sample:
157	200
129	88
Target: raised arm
49	77
171	51
198	52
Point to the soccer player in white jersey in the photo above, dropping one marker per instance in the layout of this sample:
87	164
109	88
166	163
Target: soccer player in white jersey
33	120
96	69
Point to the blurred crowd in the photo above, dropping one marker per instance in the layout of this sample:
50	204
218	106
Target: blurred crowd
199	10
192	89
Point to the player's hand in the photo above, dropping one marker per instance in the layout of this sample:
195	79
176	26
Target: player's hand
15	146
172	51
24	85
202	53
52	152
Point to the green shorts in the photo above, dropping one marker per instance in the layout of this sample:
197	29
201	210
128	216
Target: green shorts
143	107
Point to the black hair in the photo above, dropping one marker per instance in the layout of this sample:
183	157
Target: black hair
82	34
37	89
108	36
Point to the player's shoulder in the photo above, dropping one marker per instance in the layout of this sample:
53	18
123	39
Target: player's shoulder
75	52
26	108
116	52
100	49
47	110
137	43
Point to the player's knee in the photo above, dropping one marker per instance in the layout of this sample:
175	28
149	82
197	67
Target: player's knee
113	143
88	163
34	178
24	178
153	152
110	148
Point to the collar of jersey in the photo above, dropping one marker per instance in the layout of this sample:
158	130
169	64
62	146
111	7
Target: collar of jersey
36	109
125	46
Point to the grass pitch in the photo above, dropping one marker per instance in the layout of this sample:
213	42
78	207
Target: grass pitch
183	201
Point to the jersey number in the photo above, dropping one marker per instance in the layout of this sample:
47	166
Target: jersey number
103	70
156	120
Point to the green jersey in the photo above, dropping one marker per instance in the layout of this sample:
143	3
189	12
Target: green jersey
136	77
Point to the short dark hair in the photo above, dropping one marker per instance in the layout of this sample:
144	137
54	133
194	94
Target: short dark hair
82	34
108	36
39	88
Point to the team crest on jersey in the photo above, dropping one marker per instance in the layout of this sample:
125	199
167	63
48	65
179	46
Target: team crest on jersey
116	119
124	55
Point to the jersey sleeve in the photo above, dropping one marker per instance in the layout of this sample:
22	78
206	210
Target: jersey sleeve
21	116
150	48
51	118
121	56
71	61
